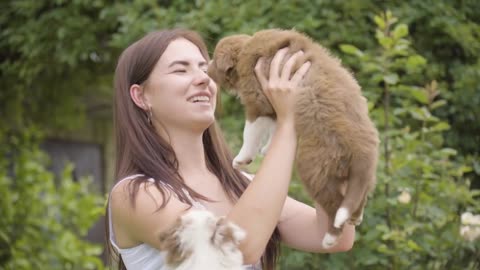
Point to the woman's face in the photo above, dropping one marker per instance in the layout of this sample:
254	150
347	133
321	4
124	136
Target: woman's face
180	93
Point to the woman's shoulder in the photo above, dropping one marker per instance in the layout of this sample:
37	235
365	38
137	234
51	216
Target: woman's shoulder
144	216
137	192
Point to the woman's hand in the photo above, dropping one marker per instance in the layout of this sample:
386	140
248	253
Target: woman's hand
280	87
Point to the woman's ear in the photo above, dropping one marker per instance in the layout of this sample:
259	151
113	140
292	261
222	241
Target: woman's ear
137	94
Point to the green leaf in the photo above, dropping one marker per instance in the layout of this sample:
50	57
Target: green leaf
419	114
350	49
441	126
420	95
437	104
391	78
379	21
400	31
412	245
449	151
370	105
386	42
415	61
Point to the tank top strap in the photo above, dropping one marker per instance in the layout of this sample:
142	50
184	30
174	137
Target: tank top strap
195	204
110	224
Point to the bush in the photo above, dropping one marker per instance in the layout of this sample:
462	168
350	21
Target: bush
412	220
44	222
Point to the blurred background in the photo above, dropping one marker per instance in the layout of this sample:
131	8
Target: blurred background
417	62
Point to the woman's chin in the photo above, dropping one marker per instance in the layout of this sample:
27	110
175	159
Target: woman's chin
204	122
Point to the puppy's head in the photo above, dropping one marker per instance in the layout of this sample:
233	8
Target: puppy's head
197	226
225	57
192	230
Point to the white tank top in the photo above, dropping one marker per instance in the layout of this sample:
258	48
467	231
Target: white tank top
144	256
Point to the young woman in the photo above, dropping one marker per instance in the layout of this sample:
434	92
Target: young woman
171	157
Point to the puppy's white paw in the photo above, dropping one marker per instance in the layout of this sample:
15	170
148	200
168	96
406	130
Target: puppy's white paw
241	162
341	216
264	150
329	241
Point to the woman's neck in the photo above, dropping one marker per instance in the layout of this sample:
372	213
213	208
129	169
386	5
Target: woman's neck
190	153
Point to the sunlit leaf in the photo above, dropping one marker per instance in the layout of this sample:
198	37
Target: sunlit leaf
400	31
391	78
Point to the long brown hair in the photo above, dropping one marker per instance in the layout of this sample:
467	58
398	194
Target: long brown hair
140	150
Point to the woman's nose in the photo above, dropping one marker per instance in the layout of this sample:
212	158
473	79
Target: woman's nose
201	77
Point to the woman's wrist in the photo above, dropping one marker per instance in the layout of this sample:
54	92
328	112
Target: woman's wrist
286	125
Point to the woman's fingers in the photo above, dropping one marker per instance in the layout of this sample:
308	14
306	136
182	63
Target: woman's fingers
287	68
275	64
259	71
280	78
298	76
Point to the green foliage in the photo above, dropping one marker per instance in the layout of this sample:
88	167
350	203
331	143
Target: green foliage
44	221
54	55
60	52
57	61
413	219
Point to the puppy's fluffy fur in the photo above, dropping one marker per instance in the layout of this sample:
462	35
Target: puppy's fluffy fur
199	240
338	142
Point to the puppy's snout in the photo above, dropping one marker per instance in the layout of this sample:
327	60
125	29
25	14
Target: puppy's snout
211	71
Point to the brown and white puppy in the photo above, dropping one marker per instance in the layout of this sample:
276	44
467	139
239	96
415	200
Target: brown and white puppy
199	240
338	142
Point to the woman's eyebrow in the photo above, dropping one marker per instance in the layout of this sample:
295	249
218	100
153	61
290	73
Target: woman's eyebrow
185	63
178	62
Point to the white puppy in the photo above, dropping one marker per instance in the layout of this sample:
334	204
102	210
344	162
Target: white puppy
200	241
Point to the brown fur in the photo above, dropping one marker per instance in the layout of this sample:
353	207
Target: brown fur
195	234
337	140
169	242
224	233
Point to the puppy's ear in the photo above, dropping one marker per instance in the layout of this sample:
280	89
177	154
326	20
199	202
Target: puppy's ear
226	62
171	243
168	239
229	50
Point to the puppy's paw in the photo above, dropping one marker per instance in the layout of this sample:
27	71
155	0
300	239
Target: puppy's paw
357	217
356	220
329	240
264	150
241	162
341	217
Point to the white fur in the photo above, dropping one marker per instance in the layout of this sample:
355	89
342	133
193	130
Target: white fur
341	216
253	135
329	240
271	130
202	235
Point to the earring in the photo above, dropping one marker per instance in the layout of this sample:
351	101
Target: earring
149	115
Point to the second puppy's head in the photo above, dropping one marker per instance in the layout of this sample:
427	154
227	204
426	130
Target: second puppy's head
198	228
225	58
